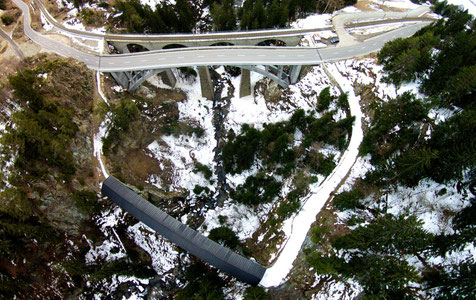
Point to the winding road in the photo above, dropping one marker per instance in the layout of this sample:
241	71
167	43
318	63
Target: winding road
203	56
12	43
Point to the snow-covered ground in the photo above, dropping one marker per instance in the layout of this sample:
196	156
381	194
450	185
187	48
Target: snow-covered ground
297	228
470	5
313	21
153	3
364	30
401	4
184	151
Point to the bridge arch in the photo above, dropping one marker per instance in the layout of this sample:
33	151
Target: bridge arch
173	46
136	48
272	42
222	44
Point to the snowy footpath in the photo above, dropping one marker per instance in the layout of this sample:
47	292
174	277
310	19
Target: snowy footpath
296	229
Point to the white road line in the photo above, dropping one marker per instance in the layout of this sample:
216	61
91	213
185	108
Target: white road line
144	60
241	55
200	56
300	55
261	55
180	57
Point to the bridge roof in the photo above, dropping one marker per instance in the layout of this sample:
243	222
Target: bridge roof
182	235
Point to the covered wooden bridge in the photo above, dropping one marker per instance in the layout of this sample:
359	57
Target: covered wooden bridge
183	236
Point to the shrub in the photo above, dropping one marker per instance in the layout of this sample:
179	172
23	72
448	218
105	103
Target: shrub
204	169
203	283
327	166
325	99
103	5
225	236
292	204
343	102
199	189
348	200
298	120
256	293
256	189
286	209
7	20
121	117
86	201
239	154
181	128
41	132
317	233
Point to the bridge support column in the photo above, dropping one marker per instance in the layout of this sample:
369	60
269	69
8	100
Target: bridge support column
245	83
122	78
280	71
206	82
295	72
168	78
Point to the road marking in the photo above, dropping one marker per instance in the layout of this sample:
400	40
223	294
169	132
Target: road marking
110	63
261	55
180	57
144	60
200	56
220	55
300	55
363	47
282	55
242	55
127	62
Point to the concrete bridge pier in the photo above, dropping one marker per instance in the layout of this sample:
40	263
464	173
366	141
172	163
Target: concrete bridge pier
123	78
245	83
295	73
168	78
206	82
131	80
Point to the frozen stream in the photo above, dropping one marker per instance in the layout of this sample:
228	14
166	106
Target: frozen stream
297	228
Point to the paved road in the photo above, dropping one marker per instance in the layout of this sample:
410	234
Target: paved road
246	55
214	55
12	43
340	20
176	38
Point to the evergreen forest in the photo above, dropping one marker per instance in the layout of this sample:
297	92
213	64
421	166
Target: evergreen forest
407	146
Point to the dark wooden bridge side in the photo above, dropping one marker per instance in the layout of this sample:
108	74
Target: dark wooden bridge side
182	235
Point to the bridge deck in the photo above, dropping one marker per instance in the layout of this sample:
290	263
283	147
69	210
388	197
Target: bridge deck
182	235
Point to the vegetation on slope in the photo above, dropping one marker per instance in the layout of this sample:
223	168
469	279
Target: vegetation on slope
186	16
407	144
37	155
277	152
48	187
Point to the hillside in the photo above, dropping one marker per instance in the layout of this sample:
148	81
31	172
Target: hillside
377	153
